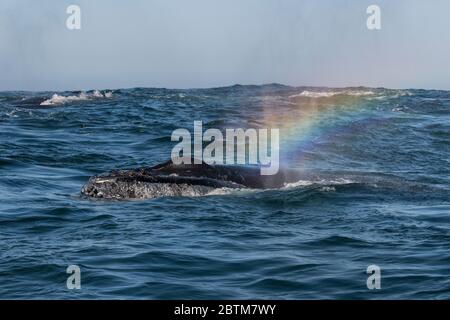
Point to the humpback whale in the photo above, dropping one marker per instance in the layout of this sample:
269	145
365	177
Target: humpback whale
33	102
169	179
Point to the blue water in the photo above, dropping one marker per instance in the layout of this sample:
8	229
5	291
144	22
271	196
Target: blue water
382	196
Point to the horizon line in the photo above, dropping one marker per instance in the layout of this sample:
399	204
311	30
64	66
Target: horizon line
226	86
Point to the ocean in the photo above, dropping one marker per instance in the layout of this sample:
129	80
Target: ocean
377	192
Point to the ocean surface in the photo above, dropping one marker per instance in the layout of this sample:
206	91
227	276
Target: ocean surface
377	193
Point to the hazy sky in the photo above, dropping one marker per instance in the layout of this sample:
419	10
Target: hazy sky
208	43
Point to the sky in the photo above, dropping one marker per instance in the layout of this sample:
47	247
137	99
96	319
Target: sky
211	43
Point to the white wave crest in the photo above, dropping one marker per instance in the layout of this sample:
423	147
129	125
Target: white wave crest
305	183
228	191
57	99
326	185
327	94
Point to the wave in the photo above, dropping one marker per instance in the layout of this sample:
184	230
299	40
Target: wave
324	184
327	94
59	99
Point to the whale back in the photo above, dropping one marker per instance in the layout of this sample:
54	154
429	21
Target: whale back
169	179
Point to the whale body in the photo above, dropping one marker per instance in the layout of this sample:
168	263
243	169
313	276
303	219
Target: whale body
169	179
33	102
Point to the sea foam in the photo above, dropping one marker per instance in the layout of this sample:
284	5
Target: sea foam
327	94
59	99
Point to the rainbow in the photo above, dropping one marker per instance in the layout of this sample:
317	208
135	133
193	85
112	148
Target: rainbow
309	119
